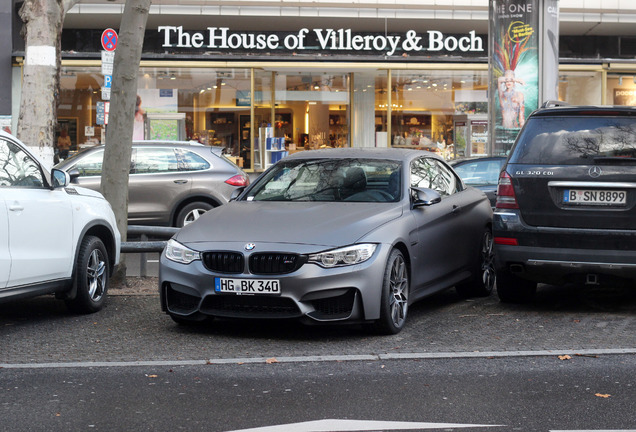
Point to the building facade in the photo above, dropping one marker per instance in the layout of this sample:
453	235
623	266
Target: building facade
268	77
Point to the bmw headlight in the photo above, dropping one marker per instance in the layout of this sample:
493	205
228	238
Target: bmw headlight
177	252
345	256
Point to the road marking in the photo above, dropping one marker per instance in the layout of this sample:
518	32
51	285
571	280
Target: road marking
357	425
328	358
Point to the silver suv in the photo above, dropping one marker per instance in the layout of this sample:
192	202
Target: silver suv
171	183
54	238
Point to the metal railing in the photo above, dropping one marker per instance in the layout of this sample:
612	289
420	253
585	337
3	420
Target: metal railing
144	245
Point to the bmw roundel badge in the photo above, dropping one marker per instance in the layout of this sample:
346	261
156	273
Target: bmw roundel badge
249	246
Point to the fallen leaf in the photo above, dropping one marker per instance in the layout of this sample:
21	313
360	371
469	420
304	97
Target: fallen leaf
565	357
152	376
601	395
271	360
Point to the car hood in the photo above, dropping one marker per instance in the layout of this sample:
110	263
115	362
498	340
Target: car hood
325	224
74	189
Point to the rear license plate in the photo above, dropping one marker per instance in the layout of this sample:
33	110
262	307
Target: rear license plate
594	197
247	286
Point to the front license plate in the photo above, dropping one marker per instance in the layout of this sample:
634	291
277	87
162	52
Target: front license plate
247	286
594	197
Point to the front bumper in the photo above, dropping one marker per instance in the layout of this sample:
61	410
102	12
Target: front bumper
311	293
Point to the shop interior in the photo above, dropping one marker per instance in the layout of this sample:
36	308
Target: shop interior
262	114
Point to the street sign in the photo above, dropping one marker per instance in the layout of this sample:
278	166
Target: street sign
106	93
100	112
108	58
107	68
109	39
108	80
102	109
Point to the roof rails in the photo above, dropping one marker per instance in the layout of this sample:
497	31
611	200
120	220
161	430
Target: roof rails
554	103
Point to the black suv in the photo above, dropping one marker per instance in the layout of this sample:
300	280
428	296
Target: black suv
566	201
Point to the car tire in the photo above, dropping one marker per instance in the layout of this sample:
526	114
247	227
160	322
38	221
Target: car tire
191	212
91	277
483	280
513	289
395	296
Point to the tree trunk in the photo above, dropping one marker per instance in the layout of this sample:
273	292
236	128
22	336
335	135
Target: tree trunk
119	131
41	77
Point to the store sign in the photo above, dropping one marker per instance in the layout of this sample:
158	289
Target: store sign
331	40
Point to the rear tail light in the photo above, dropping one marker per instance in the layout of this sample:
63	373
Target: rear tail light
505	193
238	180
507	241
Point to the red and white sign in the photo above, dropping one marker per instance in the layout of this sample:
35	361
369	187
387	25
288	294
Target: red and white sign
109	39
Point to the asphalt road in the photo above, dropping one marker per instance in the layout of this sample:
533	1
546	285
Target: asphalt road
522	394
565	362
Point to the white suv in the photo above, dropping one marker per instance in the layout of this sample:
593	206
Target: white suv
54	238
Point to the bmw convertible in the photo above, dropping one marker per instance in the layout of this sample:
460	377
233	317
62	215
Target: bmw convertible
337	235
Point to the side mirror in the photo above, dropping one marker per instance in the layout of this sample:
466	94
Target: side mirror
74	174
60	178
235	193
423	197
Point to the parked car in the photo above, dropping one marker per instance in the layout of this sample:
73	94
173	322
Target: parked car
566	203
171	183
481	173
334	235
54	238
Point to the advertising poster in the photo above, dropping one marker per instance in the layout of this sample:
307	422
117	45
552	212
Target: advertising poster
624	97
514	71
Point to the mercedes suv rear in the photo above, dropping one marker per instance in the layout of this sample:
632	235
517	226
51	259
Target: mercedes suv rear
566	201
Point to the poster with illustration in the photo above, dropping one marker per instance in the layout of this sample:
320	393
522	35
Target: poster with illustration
515	67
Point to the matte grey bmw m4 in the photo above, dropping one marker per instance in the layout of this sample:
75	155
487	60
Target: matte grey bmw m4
334	235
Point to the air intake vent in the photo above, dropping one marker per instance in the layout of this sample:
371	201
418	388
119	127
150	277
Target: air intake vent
224	262
275	263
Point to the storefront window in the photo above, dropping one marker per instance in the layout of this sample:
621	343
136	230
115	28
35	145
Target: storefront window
621	89
580	87
381	108
288	111
426	106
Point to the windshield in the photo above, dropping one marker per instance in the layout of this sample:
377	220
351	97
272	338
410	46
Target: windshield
576	140
353	180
